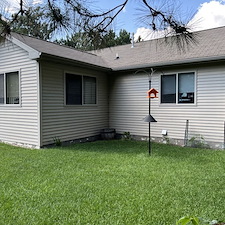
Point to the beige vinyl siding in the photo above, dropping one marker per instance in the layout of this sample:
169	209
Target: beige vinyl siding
69	122
19	123
129	105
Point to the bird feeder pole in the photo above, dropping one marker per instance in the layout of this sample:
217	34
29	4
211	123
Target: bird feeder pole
149	113
149	118
152	93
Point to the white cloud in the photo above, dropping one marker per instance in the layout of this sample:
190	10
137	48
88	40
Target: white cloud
13	3
37	1
12	6
17	2
147	34
209	15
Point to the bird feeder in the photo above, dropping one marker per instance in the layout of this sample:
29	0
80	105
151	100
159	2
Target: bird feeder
152	93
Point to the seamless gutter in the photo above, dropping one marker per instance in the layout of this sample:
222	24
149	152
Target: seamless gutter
170	63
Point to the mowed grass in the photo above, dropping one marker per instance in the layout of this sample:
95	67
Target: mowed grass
110	182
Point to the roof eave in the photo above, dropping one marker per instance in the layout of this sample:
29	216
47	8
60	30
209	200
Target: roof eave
169	64
33	54
77	62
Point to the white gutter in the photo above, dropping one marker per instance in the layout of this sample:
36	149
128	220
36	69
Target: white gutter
171	63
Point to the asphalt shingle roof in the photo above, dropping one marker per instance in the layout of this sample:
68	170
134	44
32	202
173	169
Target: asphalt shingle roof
57	50
210	46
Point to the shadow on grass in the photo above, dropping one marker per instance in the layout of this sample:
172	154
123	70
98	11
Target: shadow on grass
111	146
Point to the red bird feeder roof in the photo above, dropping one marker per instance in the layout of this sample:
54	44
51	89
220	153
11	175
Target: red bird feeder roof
152	93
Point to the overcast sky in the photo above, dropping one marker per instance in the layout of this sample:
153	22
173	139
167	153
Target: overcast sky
207	14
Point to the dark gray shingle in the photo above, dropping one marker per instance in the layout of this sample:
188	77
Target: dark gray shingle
210	46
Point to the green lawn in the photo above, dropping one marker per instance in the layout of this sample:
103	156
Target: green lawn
114	182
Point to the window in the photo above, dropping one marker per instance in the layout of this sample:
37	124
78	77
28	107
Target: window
178	88
186	88
9	88
80	89
2	88
73	89
168	89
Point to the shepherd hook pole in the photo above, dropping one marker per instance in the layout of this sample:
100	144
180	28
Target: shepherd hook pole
149	112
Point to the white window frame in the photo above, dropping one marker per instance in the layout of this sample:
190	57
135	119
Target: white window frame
177	88
5	89
82	97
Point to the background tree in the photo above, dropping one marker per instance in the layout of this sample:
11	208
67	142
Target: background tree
123	38
83	40
33	23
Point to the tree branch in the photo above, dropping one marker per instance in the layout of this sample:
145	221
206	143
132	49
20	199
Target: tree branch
168	20
60	12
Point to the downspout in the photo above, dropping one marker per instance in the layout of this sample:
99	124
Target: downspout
39	103
108	94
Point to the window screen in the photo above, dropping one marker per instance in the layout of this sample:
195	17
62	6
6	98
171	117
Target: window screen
89	90
186	88
12	88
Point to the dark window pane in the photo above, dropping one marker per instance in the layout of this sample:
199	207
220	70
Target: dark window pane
73	89
1	88
89	90
186	88
168	89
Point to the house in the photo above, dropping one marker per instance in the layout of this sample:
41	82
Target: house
50	91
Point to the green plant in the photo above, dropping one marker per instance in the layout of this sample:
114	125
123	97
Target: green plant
197	141
188	220
57	141
126	136
166	139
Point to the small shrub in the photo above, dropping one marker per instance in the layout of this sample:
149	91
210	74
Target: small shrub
198	141
192	220
126	136
188	220
57	141
166	140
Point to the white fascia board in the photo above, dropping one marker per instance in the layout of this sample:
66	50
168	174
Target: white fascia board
172	63
33	54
